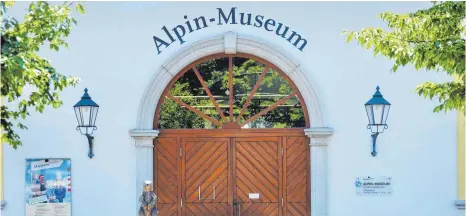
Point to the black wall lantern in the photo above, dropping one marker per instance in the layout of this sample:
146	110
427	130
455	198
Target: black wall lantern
377	110
86	114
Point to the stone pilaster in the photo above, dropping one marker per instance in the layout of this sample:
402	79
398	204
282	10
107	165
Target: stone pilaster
319	139
144	143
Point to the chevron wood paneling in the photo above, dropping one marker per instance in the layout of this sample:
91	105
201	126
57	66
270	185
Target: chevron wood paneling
297	176
194	209
166	178
167	209
276	167
257	171
259	209
206	176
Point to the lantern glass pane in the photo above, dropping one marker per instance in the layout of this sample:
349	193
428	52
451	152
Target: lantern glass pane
377	109
94	115
385	114
370	114
86	113
77	112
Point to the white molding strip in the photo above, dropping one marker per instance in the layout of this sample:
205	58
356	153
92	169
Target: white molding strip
143	134
319	135
319	132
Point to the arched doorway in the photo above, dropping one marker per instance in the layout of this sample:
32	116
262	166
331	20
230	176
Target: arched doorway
232	140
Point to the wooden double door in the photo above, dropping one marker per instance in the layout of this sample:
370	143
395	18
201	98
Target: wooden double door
232	173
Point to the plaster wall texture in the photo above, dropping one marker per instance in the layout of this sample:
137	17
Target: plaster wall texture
113	52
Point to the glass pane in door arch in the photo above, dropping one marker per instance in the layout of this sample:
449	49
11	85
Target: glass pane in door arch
231	91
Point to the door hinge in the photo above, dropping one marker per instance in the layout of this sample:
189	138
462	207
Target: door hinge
181	152
282	151
282	201
181	203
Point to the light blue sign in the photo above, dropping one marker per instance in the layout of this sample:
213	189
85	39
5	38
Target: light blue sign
373	185
48	187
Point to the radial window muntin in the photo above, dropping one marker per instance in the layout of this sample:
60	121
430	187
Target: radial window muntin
199	96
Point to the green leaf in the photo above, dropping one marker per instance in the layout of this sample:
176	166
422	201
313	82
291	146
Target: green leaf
350	37
9	3
22	65
32	7
429	39
80	8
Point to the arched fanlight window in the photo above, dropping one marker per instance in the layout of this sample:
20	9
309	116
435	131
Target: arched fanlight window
231	92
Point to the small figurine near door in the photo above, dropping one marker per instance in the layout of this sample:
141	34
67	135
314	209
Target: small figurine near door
148	200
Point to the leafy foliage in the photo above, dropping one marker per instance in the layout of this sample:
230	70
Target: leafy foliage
215	73
429	39
21	66
173	116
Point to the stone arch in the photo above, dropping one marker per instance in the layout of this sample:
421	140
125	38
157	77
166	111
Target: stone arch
231	43
226	44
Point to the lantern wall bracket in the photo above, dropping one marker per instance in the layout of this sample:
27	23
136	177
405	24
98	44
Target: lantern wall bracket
90	139
374	140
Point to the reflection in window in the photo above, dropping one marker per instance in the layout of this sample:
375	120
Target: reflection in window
261	97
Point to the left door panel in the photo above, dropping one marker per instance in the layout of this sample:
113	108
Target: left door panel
166	175
205	176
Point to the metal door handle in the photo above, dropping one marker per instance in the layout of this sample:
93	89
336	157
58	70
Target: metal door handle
239	209
214	193
199	194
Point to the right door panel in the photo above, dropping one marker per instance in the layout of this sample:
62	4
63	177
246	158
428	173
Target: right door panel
257	173
296	178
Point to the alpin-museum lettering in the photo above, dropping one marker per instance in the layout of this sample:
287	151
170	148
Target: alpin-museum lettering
232	17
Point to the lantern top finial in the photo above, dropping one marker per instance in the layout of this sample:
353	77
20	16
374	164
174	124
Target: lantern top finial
86	100
377	93
378	88
85	95
377	98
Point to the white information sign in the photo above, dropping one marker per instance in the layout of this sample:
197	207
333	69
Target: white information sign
253	195
374	185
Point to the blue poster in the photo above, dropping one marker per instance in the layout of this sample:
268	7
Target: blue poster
48	187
